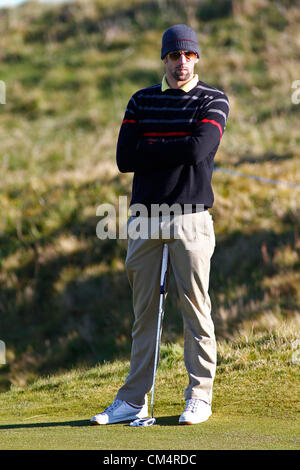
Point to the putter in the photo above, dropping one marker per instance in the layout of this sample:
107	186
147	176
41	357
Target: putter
149	421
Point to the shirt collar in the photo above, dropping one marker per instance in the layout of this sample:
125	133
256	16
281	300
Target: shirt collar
186	87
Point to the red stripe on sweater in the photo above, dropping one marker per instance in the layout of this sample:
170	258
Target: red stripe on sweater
132	121
215	123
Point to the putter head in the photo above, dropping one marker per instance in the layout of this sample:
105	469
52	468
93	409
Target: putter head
141	422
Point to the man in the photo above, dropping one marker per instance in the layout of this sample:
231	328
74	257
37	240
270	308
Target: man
168	138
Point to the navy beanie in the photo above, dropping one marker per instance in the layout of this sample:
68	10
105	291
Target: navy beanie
179	38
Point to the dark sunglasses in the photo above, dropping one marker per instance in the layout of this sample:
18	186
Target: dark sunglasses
175	55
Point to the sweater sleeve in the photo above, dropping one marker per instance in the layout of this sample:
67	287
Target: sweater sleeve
127	154
188	150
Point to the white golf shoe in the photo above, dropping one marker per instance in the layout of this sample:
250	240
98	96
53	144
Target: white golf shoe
119	411
196	411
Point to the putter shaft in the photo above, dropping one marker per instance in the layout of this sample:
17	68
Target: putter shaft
160	313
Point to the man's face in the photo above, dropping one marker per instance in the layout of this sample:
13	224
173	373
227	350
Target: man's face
181	68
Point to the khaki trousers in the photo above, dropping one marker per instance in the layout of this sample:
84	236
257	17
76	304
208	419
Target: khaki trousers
191	244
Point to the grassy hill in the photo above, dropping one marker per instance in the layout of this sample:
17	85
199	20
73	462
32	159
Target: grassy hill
69	72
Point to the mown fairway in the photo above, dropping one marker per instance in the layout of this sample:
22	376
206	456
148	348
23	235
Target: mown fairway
222	432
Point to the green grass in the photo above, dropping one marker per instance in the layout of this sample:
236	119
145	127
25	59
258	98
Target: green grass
221	432
65	303
254	405
69	72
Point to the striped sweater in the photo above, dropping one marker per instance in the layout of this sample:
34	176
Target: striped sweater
169	140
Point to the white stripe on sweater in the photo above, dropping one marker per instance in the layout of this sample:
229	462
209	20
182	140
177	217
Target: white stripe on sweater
218	111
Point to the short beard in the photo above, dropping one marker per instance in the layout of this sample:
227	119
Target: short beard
181	76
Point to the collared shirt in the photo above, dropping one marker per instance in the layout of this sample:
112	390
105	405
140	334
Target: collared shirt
186	87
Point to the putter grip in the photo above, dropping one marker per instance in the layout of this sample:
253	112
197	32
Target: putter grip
164	268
